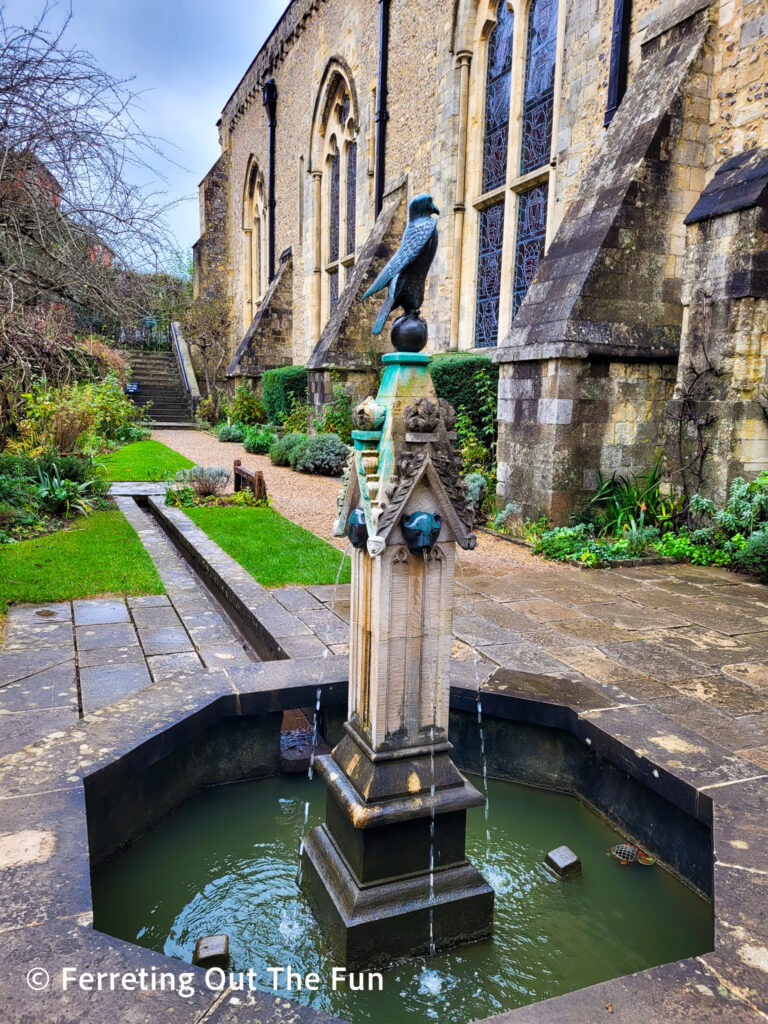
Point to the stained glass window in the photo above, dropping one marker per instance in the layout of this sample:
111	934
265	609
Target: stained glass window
489	275
351	195
529	246
539	92
497	86
258	256
344	110
334	207
334	290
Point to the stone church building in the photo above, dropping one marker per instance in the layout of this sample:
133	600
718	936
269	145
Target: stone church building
601	168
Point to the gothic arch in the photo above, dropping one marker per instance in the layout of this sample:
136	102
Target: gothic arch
336	72
254	238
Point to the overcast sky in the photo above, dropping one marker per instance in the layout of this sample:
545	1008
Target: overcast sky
187	56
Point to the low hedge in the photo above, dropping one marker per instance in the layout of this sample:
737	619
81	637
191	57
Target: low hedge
280	387
453	376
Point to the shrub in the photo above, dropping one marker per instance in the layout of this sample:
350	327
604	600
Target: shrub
105	358
579	544
753	557
65	416
204	480
279	387
281	450
130	432
206	411
325	454
62	497
503	520
8	514
696	546
231	432
16	491
454	378
297	420
246	408
621	499
337	415
17	465
258	440
745	510
477	488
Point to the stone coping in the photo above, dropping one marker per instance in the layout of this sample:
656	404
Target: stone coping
46	912
272	630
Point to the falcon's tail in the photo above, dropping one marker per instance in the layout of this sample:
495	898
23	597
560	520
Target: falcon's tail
384	312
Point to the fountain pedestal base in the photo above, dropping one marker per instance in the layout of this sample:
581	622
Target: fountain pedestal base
366	871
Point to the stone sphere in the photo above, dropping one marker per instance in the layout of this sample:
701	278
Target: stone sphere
409	333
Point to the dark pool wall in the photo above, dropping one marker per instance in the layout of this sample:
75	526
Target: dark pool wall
132	795
555	759
128	798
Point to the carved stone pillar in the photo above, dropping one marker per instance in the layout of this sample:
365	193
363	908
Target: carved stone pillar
386	873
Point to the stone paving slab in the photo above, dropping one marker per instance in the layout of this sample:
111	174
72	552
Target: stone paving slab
45	869
107	634
684	991
99	610
75	944
54	687
108	684
20	728
31	635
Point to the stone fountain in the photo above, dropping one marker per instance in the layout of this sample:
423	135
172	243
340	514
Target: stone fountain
386	874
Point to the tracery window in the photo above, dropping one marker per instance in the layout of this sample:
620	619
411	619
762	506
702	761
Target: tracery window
341	168
514	181
351	195
531	234
489	275
333	237
539	95
254	213
497	90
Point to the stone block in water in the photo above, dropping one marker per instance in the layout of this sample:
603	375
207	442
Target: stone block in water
212	951
564	862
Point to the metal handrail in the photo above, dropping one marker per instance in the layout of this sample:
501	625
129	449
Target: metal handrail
179	359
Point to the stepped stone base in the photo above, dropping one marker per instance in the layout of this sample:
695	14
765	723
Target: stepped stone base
366	871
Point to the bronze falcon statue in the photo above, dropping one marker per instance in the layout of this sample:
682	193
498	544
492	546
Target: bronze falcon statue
406	272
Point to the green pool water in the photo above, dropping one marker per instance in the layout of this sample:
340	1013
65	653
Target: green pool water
226	862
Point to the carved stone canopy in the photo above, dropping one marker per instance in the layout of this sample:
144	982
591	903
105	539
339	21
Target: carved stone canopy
405	442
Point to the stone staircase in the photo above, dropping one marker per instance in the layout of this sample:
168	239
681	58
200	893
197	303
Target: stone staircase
159	380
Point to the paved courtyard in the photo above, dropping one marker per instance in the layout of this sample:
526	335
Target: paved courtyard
689	641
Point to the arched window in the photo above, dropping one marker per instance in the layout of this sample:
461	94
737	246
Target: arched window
254	212
341	170
512	187
539	94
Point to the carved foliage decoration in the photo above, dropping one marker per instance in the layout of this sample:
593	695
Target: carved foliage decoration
422	417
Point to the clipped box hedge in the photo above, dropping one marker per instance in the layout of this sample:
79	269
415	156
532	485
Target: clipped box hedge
278	389
453	375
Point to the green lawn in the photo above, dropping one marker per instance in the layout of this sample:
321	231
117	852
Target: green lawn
143	460
98	555
272	548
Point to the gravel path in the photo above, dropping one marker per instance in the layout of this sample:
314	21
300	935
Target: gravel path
311	500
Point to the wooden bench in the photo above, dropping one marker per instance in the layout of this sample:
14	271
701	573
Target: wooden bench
251	479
